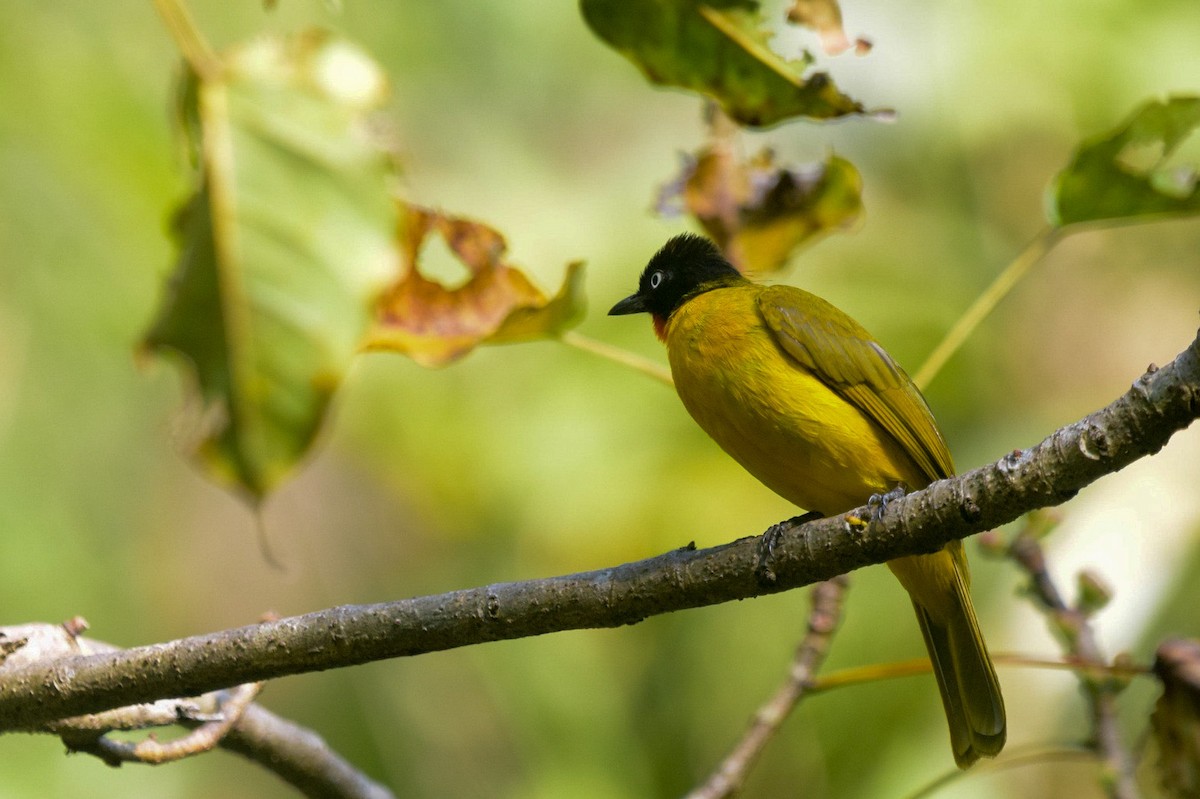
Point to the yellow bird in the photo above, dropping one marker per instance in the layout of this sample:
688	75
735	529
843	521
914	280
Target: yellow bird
805	400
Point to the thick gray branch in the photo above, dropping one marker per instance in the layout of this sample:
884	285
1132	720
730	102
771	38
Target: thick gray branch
1139	423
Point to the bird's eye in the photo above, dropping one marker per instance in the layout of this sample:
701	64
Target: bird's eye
656	280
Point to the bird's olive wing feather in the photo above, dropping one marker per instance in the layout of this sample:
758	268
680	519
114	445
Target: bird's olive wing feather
843	355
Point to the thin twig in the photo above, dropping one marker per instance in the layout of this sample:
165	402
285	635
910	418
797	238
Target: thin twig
873	672
1082	645
856	675
188	39
1018	757
153	752
299	757
617	355
1119	670
985	303
730	776
293	753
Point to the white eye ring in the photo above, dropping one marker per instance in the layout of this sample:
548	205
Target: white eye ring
656	280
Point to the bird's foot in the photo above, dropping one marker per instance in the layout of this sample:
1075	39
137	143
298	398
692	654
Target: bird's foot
878	503
773	535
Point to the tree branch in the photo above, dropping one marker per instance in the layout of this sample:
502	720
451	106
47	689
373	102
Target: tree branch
730	775
299	757
228	719
1080	641
152	752
1160	403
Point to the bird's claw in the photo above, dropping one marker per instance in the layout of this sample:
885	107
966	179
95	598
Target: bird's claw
878	503
771	538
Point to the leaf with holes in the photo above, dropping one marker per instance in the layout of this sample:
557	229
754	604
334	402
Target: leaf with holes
718	49
283	247
1128	173
760	213
435	325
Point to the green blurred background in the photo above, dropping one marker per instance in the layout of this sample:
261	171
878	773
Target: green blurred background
535	460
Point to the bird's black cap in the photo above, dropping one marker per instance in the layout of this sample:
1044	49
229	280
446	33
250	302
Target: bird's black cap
686	265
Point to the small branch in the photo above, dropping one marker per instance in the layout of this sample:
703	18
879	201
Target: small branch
299	757
293	753
730	776
188	39
617	355
1118	670
154	752
228	719
1081	644
1012	759
984	304
874	672
1140	422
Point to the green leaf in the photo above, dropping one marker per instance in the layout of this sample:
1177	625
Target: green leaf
720	50
1127	173
284	246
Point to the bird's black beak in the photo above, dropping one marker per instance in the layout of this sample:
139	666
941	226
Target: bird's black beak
634	303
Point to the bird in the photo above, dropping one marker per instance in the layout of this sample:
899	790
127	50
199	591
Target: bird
806	400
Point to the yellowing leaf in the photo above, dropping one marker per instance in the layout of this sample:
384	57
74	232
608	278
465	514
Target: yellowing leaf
283	247
760	213
1126	173
435	325
720	50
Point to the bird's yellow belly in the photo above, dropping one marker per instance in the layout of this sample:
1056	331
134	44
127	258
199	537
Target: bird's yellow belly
782	424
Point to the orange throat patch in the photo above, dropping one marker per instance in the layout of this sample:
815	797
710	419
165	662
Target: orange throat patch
660	327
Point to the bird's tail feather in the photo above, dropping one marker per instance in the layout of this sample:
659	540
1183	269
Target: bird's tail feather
965	677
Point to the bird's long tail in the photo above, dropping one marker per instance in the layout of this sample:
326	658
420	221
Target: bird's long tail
939	586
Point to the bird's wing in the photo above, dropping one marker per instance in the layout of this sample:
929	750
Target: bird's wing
843	355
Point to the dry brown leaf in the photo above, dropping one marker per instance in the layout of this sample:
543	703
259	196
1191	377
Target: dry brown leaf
435	325
758	212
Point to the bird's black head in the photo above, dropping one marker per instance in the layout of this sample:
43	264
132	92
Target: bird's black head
686	265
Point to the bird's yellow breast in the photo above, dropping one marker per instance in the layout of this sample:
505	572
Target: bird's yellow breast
785	426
